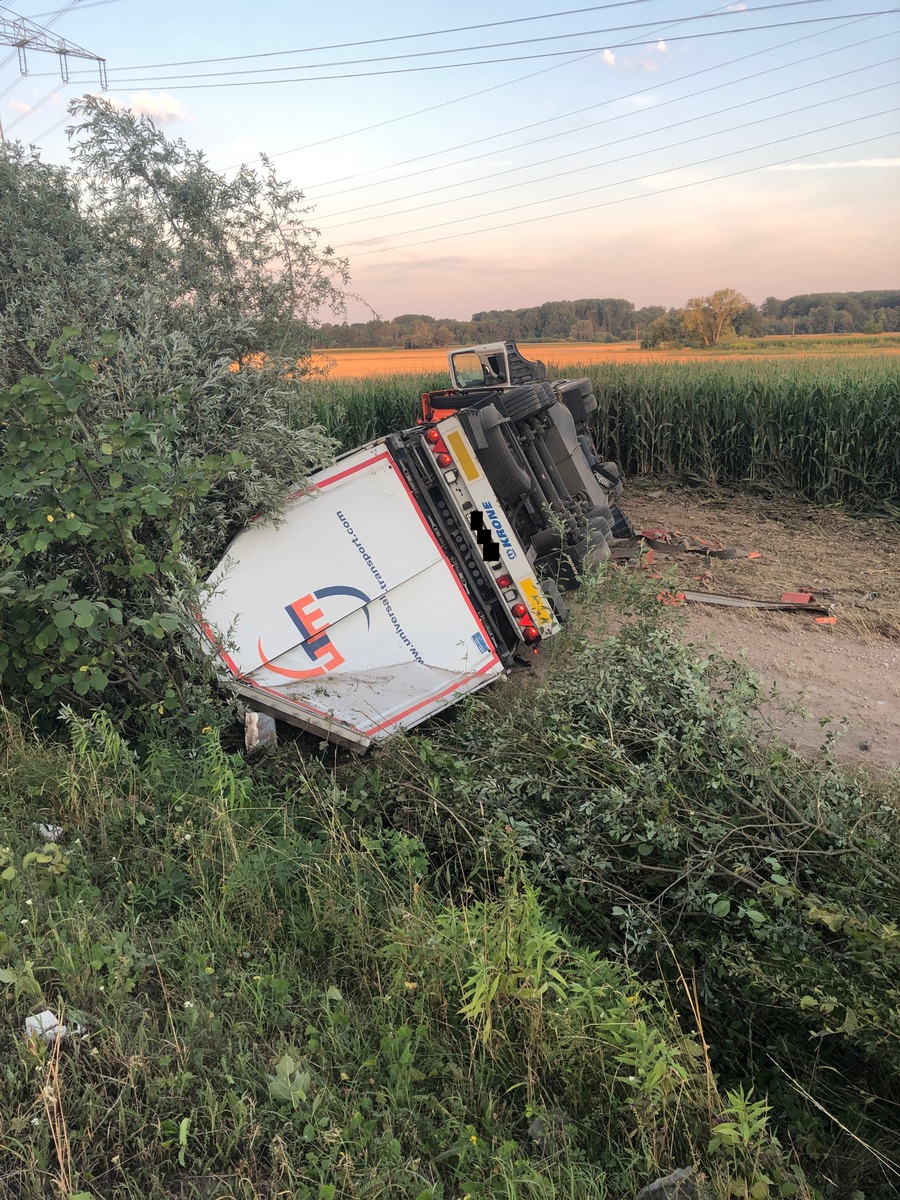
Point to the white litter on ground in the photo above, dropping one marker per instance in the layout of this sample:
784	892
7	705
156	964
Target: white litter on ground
50	833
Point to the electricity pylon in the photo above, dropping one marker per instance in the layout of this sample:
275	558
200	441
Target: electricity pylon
27	35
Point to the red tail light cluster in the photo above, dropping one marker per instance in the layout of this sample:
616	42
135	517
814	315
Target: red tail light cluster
442	456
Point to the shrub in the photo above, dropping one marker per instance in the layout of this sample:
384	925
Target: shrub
664	830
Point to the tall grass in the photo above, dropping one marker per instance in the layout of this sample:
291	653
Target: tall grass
274	1004
828	432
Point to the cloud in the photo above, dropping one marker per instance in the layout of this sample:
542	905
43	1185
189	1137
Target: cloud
839	165
642	63
20	106
735	8
162	108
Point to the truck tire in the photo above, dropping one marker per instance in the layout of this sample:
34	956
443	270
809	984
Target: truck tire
578	397
545	541
622	527
520	403
508	479
600	522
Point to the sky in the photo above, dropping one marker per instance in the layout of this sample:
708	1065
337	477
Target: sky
477	155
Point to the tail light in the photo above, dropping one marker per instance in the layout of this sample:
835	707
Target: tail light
438	448
504	581
530	634
519	610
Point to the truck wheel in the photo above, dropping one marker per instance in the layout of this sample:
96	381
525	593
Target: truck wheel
610	477
622	527
508	479
600	519
545	541
520	403
578	397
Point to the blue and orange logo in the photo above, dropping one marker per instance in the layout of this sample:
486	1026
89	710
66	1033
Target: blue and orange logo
313	625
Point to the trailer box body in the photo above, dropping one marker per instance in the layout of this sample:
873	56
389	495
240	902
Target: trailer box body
375	602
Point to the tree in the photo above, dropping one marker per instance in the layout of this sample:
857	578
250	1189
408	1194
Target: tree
706	318
663	330
134	451
421	335
143	224
821	319
750	322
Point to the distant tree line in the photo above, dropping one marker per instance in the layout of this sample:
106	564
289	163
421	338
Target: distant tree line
704	320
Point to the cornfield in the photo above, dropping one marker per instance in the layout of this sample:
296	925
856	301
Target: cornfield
828	432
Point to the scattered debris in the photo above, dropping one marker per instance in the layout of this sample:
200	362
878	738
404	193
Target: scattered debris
670	541
46	1026
680	1185
50	833
806	603
260	731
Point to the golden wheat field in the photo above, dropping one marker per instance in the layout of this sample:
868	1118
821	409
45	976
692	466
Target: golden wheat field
365	362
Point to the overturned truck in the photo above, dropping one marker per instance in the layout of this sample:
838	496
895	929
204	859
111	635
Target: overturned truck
426	563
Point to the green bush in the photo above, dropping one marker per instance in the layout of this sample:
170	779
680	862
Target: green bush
664	830
113	511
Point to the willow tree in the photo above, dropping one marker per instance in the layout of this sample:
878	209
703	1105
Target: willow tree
131	284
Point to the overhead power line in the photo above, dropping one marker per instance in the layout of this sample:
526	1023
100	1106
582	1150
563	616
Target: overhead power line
717	14
34	107
397	37
176	80
743	124
504	149
654	34
807	37
90	4
644	175
678	187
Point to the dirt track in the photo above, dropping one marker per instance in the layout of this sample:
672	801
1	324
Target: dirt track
847	675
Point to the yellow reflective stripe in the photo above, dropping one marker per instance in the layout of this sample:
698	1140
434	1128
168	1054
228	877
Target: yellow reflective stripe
536	601
463	457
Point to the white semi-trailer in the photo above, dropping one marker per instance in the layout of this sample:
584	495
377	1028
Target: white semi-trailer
421	566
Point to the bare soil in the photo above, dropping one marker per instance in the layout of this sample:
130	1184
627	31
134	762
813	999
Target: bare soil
841	681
